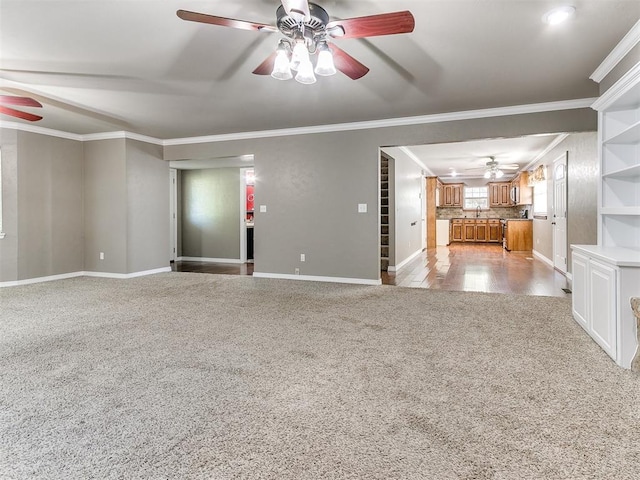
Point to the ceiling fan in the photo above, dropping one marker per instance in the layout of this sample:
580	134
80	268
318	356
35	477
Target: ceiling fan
494	170
307	29
20	102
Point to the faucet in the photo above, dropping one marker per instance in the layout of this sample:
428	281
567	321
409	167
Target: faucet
478	211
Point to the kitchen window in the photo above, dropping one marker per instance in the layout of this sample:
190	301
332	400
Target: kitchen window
540	200
475	197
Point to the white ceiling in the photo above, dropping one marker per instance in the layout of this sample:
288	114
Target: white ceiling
101	66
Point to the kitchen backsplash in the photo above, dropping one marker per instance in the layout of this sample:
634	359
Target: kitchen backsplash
496	212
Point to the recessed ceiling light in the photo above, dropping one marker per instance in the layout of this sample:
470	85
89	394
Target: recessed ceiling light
559	15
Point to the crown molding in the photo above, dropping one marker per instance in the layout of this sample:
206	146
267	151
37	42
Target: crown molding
392	122
122	134
337	127
625	84
630	40
556	141
41	130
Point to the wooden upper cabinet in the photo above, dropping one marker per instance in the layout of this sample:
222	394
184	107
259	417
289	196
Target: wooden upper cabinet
452	194
524	193
499	194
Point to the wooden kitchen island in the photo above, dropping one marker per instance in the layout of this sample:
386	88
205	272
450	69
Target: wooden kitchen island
518	235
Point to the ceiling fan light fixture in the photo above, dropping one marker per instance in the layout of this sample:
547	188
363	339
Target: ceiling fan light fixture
499	173
300	53
281	70
305	72
325	65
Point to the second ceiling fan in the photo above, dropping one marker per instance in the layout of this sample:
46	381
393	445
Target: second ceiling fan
307	29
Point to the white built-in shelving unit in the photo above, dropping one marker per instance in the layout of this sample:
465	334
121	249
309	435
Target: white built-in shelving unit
607	275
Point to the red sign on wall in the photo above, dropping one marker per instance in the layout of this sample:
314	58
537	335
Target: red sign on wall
250	198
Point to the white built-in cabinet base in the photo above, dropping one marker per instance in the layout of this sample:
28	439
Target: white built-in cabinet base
604	280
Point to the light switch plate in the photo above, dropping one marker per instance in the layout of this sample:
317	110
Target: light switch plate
263	208
362	208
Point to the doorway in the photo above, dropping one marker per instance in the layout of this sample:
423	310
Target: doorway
559	208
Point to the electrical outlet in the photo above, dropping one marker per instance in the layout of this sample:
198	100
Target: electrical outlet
303	257
362	208
263	209
297	271
101	255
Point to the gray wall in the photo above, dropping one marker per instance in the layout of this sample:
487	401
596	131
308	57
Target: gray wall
147	207
311	185
9	245
105	211
50	240
582	191
210	213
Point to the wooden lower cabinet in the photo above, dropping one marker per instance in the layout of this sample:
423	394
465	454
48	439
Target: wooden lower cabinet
456	231
475	230
494	230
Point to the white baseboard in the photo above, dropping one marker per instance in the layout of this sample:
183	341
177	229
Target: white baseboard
63	276
396	268
49	278
124	276
209	260
314	278
542	258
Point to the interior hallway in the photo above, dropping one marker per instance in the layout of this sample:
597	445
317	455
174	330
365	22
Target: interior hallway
458	267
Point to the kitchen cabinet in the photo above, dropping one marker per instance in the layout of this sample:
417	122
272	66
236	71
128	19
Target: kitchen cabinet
476	230
456	230
603	281
499	194
518	235
521	192
494	230
452	194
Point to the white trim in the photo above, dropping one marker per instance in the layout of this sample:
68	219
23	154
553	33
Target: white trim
49	278
392	122
622	86
417	161
41	130
396	268
630	40
556	141
121	134
338	127
64	276
125	276
569	276
314	278
542	258
209	260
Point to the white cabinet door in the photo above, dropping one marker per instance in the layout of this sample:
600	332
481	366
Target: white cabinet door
602	305
580	269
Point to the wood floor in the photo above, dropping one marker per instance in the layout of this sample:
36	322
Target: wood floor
480	268
458	267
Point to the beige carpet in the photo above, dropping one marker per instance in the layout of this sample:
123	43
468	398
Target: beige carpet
195	376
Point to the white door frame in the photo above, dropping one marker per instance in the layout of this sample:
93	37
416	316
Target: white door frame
559	208
173	214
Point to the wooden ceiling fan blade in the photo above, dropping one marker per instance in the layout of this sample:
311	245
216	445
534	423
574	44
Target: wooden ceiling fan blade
348	65
373	25
22	101
18	114
266	67
224	22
